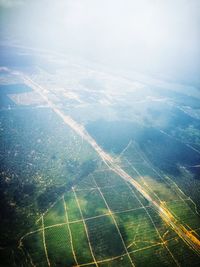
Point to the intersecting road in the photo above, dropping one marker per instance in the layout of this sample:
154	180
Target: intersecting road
186	235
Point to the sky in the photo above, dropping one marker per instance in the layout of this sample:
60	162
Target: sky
161	37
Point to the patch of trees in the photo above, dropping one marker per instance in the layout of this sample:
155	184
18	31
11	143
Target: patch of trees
52	193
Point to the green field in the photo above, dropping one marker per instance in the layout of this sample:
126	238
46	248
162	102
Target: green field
64	206
90	235
101	220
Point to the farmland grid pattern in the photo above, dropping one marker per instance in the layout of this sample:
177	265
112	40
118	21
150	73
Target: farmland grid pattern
110	213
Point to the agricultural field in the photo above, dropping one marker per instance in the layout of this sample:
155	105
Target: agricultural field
88	226
93	175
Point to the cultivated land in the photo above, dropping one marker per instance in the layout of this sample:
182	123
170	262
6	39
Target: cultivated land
94	197
98	235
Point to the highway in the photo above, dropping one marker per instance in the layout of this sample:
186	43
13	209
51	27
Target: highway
192	241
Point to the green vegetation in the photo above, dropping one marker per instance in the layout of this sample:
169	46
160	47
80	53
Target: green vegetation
80	243
37	165
61	204
91	203
138	230
33	245
104	238
185	257
183	212
161	257
106	177
120	198
120	261
147	237
58	246
56	214
72	207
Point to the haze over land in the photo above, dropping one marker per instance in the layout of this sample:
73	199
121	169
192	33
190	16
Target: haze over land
157	37
99	133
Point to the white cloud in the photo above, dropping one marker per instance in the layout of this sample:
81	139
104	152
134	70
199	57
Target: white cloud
11	3
145	34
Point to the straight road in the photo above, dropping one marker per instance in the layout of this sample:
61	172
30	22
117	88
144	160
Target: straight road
192	241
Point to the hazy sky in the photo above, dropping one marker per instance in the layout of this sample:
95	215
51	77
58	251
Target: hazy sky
158	36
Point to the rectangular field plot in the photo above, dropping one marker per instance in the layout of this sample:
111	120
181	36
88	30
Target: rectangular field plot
55	215
59	247
137	229
104	238
91	203
33	244
120	198
153	256
107	178
184	213
183	254
80	243
122	261
72	207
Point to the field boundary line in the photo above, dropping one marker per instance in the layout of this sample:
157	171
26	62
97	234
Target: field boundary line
147	247
167	180
75	221
102	261
122	255
50	207
85	226
93	188
124	150
30	258
120	235
44	243
143	180
70	233
158	233
191	240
